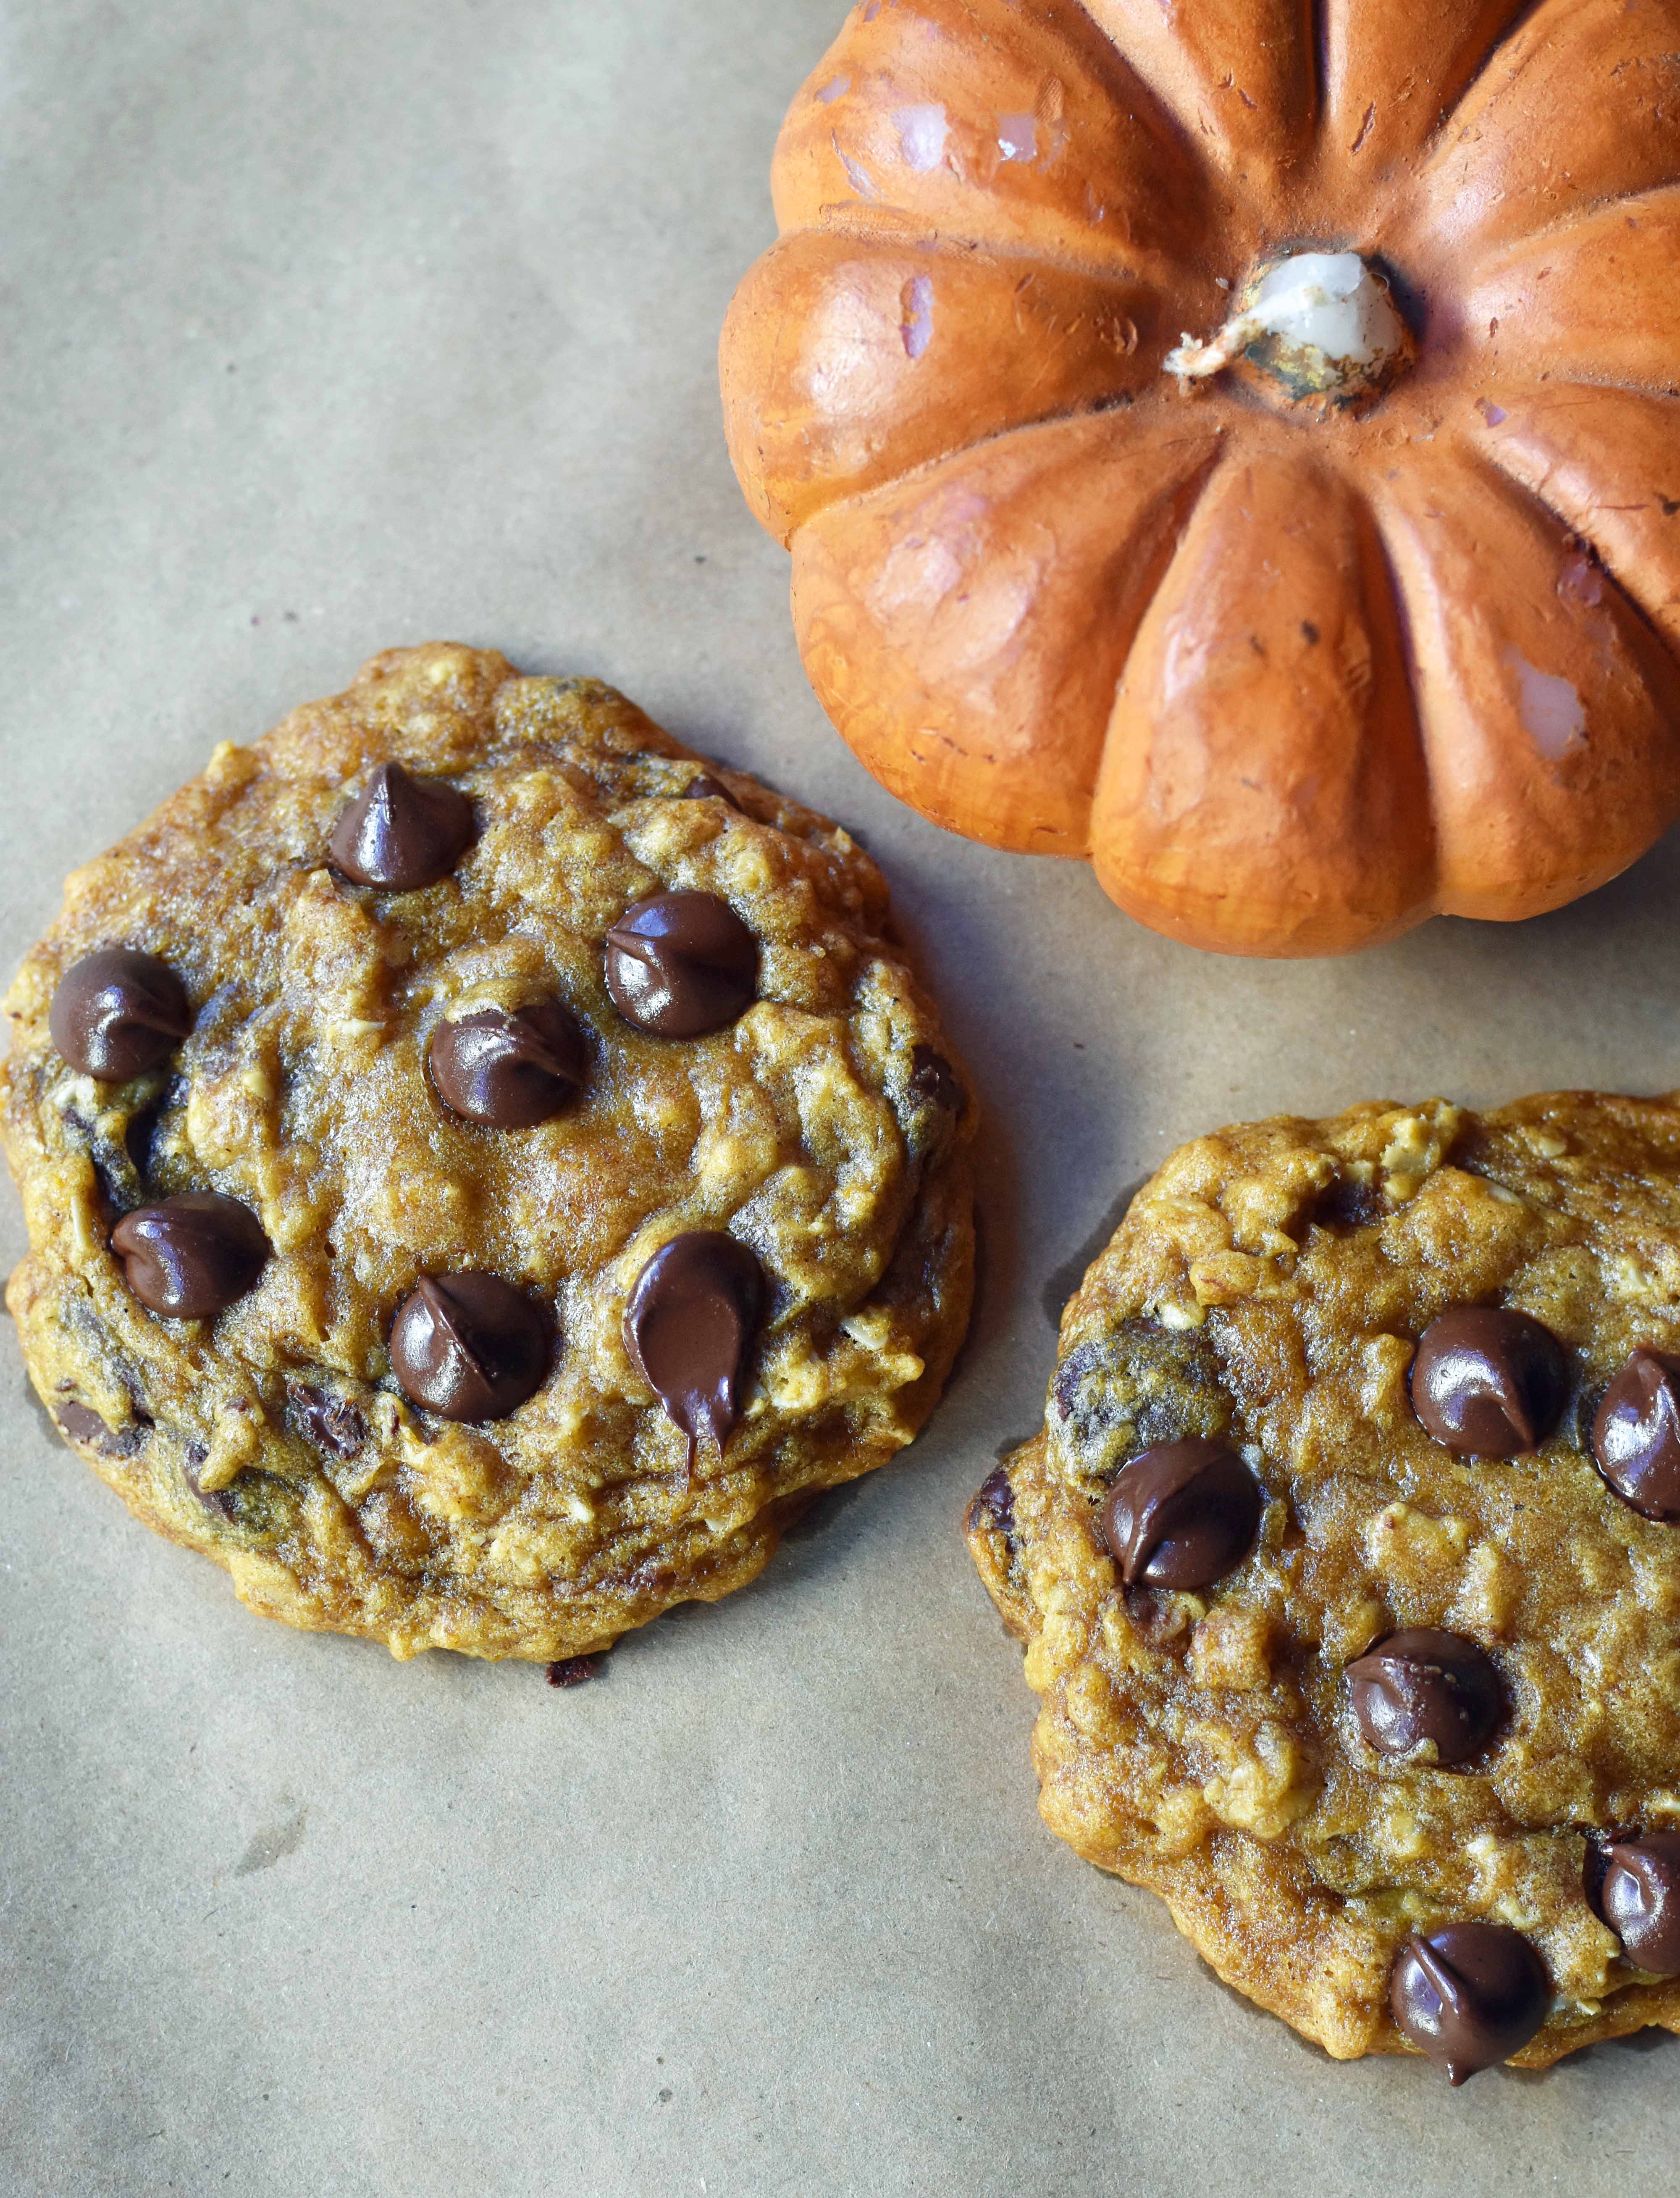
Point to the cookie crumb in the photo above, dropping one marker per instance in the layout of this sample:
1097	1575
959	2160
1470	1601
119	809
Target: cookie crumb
576	1670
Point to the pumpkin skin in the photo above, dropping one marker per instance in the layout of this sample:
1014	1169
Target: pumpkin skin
1292	674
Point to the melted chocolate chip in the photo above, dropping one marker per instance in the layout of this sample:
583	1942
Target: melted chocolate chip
992	1509
575	1670
1182	1515
509	1072
1426	1685
689	1320
191	1257
933	1081
469	1346
402	832
702	786
1470	1995
332	1423
115	1014
82	1424
1636	1435
1489	1382
1633	1886
680	964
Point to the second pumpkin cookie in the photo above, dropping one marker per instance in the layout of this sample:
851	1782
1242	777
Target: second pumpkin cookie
1348	1563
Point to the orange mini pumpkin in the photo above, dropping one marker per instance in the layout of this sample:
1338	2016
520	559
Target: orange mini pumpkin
1359	600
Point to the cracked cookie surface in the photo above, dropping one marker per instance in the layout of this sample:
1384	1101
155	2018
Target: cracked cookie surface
1265	1295
275	1437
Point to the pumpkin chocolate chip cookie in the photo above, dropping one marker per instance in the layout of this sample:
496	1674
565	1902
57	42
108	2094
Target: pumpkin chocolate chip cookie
486	1170
1348	1563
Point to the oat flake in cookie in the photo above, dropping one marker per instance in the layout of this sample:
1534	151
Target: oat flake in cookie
343	1164
1399	1743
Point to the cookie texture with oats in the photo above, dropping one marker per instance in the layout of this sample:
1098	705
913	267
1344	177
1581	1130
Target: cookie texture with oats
1266	1293
825	1128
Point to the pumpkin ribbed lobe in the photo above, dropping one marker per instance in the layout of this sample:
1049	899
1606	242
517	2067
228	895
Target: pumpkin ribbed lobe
1551	713
1262	773
1606	463
1600	74
986	124
1593	298
990	604
1242	76
897	352
1393	76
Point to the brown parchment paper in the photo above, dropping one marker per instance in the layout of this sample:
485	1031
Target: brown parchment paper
331	324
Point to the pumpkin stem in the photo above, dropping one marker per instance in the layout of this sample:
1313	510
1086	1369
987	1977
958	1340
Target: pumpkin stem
1315	324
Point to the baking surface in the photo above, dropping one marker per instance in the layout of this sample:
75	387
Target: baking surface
332	326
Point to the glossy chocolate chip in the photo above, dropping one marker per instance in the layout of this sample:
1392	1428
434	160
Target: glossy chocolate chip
991	1510
1489	1382
702	786
191	1257
1470	1995
117	1014
402	832
689	1320
933	1081
509	1071
1182	1515
1634	1887
1636	1435
680	964
469	1346
1426	1685
332	1423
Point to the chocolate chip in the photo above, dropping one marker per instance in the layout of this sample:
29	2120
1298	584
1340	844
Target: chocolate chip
1636	1435
992	1509
331	1423
1182	1515
575	1670
1489	1382
219	1502
81	1424
1470	1995
193	1256
117	1014
1425	1685
1345	1202
680	964
934	1082
402	832
1159	1619
1634	1887
469	1346
702	786
509	1072
689	1319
